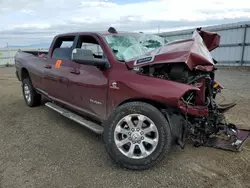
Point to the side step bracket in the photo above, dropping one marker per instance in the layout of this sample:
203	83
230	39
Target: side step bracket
78	119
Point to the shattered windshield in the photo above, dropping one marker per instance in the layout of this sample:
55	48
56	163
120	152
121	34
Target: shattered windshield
126	47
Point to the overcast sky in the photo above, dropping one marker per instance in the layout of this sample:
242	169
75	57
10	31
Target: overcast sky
26	22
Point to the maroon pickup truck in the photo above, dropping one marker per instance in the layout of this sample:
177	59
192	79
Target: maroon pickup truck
139	91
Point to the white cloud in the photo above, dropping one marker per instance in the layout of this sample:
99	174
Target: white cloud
97	4
27	11
33	25
46	17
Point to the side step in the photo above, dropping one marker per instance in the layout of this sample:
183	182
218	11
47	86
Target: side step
78	119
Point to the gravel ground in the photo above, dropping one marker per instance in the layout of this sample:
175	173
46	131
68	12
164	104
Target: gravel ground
40	148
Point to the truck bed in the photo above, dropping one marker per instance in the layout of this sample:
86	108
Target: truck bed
35	52
31	60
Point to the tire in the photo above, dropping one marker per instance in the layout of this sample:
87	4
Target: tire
34	98
112	133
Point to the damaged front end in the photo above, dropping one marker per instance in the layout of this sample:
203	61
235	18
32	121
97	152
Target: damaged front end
205	124
197	116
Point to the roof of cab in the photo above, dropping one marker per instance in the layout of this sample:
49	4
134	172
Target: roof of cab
100	33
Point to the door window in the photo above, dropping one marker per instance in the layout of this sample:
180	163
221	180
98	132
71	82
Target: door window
63	48
90	43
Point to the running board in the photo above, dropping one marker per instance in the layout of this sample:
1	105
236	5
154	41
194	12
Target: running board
78	119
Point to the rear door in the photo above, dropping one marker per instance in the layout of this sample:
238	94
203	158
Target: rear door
57	69
88	85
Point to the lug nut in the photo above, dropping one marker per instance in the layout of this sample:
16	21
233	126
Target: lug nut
129	133
133	130
138	129
142	138
133	142
139	142
142	132
129	138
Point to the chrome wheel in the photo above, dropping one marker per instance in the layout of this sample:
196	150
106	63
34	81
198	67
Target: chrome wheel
27	93
136	136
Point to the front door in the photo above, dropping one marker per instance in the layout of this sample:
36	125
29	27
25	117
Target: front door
88	85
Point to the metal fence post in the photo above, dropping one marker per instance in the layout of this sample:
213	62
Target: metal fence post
243	45
98	51
9	53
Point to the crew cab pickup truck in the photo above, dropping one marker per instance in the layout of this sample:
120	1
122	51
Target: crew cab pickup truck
139	91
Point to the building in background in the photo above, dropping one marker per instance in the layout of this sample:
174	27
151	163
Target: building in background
234	49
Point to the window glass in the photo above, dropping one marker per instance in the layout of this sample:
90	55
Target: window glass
89	42
126	47
95	48
67	44
63	48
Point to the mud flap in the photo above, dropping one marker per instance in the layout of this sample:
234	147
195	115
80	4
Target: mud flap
231	138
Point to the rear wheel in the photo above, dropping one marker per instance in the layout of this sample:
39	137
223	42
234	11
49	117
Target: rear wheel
31	97
137	135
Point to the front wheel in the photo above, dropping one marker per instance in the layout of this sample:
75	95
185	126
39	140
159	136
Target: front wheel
137	135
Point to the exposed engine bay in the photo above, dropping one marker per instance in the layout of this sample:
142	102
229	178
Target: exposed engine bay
209	128
174	72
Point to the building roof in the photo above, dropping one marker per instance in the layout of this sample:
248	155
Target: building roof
208	28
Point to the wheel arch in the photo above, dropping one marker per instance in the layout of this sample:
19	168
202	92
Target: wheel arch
24	73
157	104
162	107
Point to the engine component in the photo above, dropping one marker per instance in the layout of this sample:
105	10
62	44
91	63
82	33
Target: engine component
179	73
174	72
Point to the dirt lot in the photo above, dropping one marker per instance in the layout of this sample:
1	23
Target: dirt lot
40	148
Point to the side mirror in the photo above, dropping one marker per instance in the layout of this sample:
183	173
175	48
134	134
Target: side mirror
86	57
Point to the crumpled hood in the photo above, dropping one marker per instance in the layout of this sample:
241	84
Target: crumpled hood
210	39
195	52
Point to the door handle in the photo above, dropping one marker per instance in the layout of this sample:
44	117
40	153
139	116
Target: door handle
47	66
74	71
